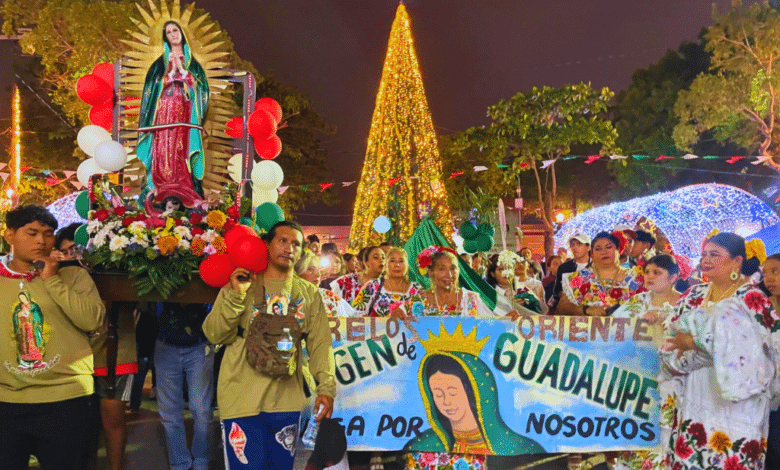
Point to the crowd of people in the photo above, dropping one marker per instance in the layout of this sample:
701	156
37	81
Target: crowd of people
720	354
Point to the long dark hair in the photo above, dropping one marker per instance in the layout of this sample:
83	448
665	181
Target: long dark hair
608	236
448	365
735	245
761	285
490	274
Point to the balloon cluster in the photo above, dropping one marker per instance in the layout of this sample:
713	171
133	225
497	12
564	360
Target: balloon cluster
477	238
97	90
106	155
262	126
244	250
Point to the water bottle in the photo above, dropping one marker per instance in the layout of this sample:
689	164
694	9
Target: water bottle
285	344
310	436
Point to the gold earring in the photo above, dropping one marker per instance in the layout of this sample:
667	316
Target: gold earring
734	276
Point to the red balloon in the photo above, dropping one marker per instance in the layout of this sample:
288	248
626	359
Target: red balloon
102	115
235	233
261	125
105	70
269	148
270	105
249	252
93	90
235	128
216	269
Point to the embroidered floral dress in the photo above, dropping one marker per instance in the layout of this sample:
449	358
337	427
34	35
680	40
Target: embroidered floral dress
585	288
347	286
722	413
471	305
670	387
373	300
335	306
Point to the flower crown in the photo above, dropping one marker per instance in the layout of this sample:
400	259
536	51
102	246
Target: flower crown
425	258
684	264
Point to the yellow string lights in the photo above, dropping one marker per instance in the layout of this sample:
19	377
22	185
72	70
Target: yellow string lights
401	176
16	143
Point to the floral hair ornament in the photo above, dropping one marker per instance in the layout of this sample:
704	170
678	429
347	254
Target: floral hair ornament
507	259
685	266
425	258
755	249
622	238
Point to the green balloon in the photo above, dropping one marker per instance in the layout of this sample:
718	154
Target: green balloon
82	204
81	237
245	221
268	215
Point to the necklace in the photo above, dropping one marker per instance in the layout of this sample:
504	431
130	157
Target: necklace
397	286
454	304
710	297
602	281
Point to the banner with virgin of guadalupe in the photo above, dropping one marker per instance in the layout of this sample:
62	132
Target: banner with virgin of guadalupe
544	384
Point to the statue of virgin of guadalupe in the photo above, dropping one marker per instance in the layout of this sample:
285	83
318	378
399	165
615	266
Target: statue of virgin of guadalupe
173	106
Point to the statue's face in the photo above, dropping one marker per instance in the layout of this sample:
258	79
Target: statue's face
173	34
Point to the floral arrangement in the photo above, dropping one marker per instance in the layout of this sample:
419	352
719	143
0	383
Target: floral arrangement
507	259
425	258
158	252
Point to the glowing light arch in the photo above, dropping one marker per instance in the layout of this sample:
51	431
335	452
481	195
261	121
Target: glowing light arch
685	215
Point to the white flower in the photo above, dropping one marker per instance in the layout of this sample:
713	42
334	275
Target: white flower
208	236
209	250
182	232
118	243
184	244
140	241
136	228
99	240
93	226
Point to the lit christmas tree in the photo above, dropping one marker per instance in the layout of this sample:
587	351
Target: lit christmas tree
401	176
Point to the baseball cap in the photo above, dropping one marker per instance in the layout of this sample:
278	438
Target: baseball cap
580	237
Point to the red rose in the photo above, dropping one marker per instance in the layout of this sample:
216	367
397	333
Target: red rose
229	224
616	293
677	466
640	280
195	218
93	196
584	288
127	221
682	449
752	449
177	222
696	430
695	301
140	218
233	213
196	231
101	215
756	301
732	463
120	211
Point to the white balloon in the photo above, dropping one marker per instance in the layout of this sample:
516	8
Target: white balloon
267	175
90	137
236	167
86	169
110	156
260	196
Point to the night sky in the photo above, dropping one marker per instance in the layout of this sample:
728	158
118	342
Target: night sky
472	53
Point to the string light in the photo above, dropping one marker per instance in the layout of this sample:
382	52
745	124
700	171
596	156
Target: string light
16	140
685	216
64	210
402	169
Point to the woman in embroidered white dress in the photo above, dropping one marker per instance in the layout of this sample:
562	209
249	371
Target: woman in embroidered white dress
721	347
656	306
373	260
380	297
511	300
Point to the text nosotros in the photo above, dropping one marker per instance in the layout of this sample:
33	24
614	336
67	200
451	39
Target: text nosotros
584	426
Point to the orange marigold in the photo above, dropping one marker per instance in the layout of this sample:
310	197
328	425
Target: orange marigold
167	245
216	219
197	246
219	244
720	441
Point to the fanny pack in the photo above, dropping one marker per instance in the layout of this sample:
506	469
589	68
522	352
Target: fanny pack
262	338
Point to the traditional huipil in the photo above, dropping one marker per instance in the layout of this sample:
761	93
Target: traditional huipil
374	300
722	413
585	288
347	286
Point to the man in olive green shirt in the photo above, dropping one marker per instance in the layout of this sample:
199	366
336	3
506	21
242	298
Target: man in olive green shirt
260	413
